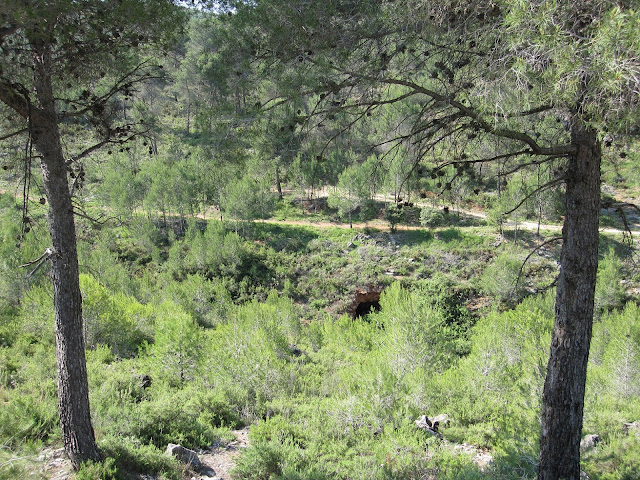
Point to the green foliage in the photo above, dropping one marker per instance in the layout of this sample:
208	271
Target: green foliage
177	348
416	335
249	198
613	396
394	216
609	292
125	456
27	419
36	319
431	217
122	189
328	398
502	278
28	394
615	357
262	462
250	358
14	251
494	393
114	319
615	459
214	252
148	411
448	299
208	301
105	470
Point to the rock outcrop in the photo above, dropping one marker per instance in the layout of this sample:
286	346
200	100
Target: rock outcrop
365	300
184	455
432	424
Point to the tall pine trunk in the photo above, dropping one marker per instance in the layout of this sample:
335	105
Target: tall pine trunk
564	388
73	390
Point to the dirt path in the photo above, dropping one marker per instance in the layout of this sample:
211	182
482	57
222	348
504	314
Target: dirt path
384	226
222	459
634	221
377	224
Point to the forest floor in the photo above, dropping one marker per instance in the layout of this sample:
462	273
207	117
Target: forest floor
53	464
222	458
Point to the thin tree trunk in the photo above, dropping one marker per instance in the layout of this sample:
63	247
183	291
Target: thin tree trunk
563	397
539	197
278	184
188	129
73	390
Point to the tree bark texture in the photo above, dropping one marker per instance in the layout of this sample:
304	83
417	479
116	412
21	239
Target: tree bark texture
73	390
564	388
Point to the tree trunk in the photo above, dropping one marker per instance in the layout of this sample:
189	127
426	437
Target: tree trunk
563	397
278	184
73	390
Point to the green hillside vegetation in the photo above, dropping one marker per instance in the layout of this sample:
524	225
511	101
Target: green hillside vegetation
321	224
191	335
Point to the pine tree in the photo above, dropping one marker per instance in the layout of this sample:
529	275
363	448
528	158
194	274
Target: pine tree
519	84
61	62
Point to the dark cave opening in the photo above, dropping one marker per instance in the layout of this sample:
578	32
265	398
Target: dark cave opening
365	308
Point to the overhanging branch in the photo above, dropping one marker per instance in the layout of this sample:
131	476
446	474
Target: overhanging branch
473	115
547	242
14	134
536	191
11	96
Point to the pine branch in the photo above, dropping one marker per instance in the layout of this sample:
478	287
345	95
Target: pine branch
14	134
537	190
547	242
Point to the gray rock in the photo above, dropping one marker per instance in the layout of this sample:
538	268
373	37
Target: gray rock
441	420
589	442
427	424
184	455
207	472
631	427
432	423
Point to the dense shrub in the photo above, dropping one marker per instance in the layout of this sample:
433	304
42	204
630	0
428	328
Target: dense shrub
432	217
502	278
115	320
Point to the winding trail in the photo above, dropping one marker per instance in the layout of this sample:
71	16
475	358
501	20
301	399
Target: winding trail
222	458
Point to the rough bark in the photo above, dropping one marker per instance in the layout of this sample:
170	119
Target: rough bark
73	389
563	397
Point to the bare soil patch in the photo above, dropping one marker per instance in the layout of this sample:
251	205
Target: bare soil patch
222	458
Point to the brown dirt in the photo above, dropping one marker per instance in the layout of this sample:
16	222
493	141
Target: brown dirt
222	459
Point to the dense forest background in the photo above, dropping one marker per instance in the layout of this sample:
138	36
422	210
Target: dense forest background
263	244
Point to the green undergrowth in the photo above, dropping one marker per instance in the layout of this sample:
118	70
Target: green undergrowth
215	330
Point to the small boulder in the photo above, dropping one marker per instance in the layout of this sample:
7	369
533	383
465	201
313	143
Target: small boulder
441	420
423	422
431	425
184	455
589	442
631	427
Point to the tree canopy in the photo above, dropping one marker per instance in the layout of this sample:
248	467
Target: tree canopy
64	66
517	83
